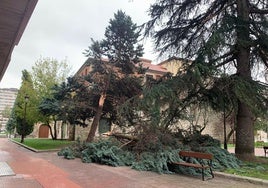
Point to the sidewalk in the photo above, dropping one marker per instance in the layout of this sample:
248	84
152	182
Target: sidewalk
35	170
258	151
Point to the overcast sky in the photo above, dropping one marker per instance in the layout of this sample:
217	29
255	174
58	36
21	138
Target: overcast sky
62	29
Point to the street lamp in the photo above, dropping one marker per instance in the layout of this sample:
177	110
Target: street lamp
26	99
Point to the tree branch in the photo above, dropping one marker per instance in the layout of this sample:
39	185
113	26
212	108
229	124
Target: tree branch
255	10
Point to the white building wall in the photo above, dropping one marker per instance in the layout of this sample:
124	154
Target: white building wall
7	99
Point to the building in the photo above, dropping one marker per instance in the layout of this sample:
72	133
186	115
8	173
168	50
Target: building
152	70
213	121
7	100
14	16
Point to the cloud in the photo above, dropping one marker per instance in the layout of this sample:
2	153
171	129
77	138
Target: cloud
62	29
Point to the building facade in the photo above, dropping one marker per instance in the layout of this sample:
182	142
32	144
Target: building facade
211	121
7	100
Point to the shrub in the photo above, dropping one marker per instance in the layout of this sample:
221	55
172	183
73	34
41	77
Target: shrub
198	140
156	161
222	158
67	153
150	157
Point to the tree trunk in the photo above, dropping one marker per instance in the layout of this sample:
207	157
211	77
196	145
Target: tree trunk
98	114
55	129
244	148
72	132
244	131
50	130
22	138
229	135
96	119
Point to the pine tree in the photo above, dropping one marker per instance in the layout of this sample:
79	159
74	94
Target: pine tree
216	34
121	47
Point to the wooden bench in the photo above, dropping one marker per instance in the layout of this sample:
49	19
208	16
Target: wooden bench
265	148
205	160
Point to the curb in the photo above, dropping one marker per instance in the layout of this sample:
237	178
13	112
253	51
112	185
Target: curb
242	178
32	149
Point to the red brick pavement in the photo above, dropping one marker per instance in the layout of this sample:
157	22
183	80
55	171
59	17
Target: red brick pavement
30	171
34	170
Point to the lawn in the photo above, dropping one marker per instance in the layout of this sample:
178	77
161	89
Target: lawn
257	144
44	144
252	169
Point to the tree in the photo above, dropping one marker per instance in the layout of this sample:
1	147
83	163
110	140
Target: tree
121	48
47	73
49	107
70	102
216	34
25	107
11	123
6	112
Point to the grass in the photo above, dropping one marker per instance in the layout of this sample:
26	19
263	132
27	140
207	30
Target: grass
257	144
260	144
44	144
252	169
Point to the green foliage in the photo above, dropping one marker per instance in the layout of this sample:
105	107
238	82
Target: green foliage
103	152
67	153
44	144
25	110
75	101
11	124
24	127
106	152
222	158
6	112
48	72
110	153
260	144
49	107
197	140
73	150
113	81
251	169
156	161
222	47
153	139
159	161
245	89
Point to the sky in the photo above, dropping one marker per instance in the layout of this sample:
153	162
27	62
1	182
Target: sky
62	29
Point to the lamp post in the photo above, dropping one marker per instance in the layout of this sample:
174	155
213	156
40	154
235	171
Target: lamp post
26	98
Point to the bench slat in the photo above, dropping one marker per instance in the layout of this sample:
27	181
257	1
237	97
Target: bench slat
205	163
196	155
191	165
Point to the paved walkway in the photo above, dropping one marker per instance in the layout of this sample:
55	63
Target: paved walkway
36	170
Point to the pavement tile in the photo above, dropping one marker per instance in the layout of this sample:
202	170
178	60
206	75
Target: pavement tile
47	170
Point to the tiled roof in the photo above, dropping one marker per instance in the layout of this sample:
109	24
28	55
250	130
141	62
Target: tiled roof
153	67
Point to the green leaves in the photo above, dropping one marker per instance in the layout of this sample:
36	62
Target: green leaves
48	72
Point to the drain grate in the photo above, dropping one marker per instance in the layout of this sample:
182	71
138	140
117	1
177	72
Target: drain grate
5	170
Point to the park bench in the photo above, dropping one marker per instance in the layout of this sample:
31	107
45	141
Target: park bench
265	148
205	160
